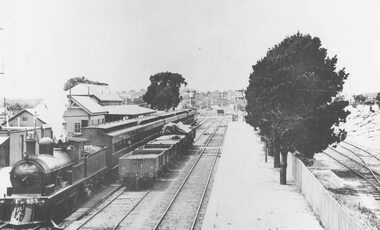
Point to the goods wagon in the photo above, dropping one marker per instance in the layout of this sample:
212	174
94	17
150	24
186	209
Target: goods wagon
141	167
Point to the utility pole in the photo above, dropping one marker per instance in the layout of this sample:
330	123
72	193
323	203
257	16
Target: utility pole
2	73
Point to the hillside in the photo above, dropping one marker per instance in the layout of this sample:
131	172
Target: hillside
363	127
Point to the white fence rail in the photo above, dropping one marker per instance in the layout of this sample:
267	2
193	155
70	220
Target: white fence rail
332	215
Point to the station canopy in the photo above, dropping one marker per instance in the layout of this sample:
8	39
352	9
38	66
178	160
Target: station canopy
128	110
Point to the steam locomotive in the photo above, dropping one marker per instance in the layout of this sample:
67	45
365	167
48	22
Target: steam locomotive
46	186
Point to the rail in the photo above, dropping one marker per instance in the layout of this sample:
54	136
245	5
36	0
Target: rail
362	160
101	209
185	180
3	225
6	225
140	200
206	186
355	146
135	205
373	181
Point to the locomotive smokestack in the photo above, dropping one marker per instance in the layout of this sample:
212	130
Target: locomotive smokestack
46	146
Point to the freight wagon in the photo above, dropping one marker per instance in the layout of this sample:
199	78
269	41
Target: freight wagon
141	167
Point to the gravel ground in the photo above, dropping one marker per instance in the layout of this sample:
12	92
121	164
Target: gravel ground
154	204
351	192
206	200
182	212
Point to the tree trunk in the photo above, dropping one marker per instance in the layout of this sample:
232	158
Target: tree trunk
284	156
266	149
276	162
270	148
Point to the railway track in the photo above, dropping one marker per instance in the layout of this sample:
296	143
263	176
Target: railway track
7	226
184	208
358	161
111	213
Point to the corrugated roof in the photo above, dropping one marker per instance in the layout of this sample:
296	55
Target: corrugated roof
102	92
87	103
88	89
127	110
115	124
108	97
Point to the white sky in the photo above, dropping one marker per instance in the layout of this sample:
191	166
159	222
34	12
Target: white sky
212	43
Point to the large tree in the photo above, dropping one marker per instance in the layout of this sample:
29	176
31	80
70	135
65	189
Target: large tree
290	98
77	80
163	91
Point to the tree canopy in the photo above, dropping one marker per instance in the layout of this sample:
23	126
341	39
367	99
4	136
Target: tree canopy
17	107
377	99
290	96
163	91
77	80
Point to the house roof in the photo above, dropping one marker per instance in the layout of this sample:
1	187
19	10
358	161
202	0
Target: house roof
30	111
88	104
108	97
127	110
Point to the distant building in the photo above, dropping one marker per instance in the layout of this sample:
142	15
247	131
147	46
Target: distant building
91	105
13	142
25	126
25	118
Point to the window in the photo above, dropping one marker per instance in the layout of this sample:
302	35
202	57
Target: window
84	123
77	127
102	120
24	118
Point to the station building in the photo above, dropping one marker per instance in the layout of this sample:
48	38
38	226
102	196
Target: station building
92	105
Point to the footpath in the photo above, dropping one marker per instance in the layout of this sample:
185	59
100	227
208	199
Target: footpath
246	192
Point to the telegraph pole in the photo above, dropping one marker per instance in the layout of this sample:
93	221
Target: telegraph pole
2	60
2	74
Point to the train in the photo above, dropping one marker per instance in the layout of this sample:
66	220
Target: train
142	167
47	185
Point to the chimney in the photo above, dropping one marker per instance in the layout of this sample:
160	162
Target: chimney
46	146
31	147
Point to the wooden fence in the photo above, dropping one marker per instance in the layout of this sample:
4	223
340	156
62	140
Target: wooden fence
332	215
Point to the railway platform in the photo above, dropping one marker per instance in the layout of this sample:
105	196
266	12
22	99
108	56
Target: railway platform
246	192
